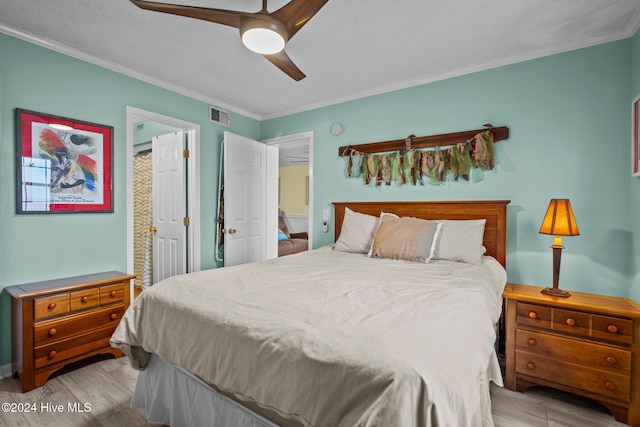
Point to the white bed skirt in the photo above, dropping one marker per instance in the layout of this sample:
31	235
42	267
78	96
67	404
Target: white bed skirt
171	395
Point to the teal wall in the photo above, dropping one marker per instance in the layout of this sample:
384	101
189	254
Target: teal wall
569	120
148	130
40	247
569	116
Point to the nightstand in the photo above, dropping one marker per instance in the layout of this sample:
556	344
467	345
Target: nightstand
586	344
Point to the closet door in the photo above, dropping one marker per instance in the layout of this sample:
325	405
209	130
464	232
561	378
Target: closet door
169	242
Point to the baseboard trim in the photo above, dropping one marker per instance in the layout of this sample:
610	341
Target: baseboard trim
5	371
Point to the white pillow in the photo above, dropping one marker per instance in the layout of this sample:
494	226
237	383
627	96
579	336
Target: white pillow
460	240
357	232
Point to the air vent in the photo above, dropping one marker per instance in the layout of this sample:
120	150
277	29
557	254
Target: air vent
219	116
140	127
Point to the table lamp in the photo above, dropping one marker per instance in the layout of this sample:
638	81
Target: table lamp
558	221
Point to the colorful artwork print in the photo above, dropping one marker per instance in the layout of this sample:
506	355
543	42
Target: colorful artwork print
75	161
63	165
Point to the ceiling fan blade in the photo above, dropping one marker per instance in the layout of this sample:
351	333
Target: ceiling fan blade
231	18
282	61
296	13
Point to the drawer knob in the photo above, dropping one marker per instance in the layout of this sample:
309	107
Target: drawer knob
570	322
532	342
112	294
613	329
113	316
52	354
533	315
610	385
52	332
52	306
84	299
531	365
611	360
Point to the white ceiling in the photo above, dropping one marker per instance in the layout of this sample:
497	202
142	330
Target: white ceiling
350	49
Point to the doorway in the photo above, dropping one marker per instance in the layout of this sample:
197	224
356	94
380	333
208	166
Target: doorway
146	231
296	151
134	117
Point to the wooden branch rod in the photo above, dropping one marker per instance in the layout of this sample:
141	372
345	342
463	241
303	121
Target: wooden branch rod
499	134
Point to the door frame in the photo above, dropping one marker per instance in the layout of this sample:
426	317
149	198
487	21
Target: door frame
192	132
306	138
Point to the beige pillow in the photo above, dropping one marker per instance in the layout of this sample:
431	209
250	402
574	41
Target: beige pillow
382	215
357	232
404	238
461	241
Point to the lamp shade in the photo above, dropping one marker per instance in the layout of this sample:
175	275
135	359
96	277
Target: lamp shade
559	219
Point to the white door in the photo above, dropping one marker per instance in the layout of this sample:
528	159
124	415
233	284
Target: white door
168	206
250	200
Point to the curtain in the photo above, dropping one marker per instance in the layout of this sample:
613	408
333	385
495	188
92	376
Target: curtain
143	219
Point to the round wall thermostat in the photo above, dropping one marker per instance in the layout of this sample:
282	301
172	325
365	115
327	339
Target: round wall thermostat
336	129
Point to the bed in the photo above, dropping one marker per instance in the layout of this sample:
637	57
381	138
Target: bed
332	337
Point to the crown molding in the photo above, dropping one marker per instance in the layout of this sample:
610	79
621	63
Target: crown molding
627	32
69	51
634	24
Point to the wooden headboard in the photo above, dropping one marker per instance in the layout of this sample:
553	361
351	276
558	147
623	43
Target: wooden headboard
494	211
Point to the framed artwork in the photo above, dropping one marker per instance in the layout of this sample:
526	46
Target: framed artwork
63	165
635	148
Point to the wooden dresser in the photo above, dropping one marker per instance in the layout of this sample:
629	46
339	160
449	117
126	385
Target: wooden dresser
56	322
586	344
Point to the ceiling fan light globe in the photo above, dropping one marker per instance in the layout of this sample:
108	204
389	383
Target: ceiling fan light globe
263	34
263	40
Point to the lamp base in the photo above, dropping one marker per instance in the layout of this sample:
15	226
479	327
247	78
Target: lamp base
555	292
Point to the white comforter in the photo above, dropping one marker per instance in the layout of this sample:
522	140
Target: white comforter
331	338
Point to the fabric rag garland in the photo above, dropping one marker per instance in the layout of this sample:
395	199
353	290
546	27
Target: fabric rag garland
415	166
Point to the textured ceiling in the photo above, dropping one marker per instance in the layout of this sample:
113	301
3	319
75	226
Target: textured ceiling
350	49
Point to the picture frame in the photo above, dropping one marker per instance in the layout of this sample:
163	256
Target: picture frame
635	141
63	165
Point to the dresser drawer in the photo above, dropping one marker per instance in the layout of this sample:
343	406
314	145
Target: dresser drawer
612	329
86	298
533	315
572	322
574	351
598	381
49	306
58	329
112	293
66	349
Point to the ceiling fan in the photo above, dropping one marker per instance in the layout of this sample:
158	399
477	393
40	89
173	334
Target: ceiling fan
263	32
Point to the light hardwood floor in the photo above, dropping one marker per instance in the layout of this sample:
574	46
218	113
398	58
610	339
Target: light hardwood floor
107	386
